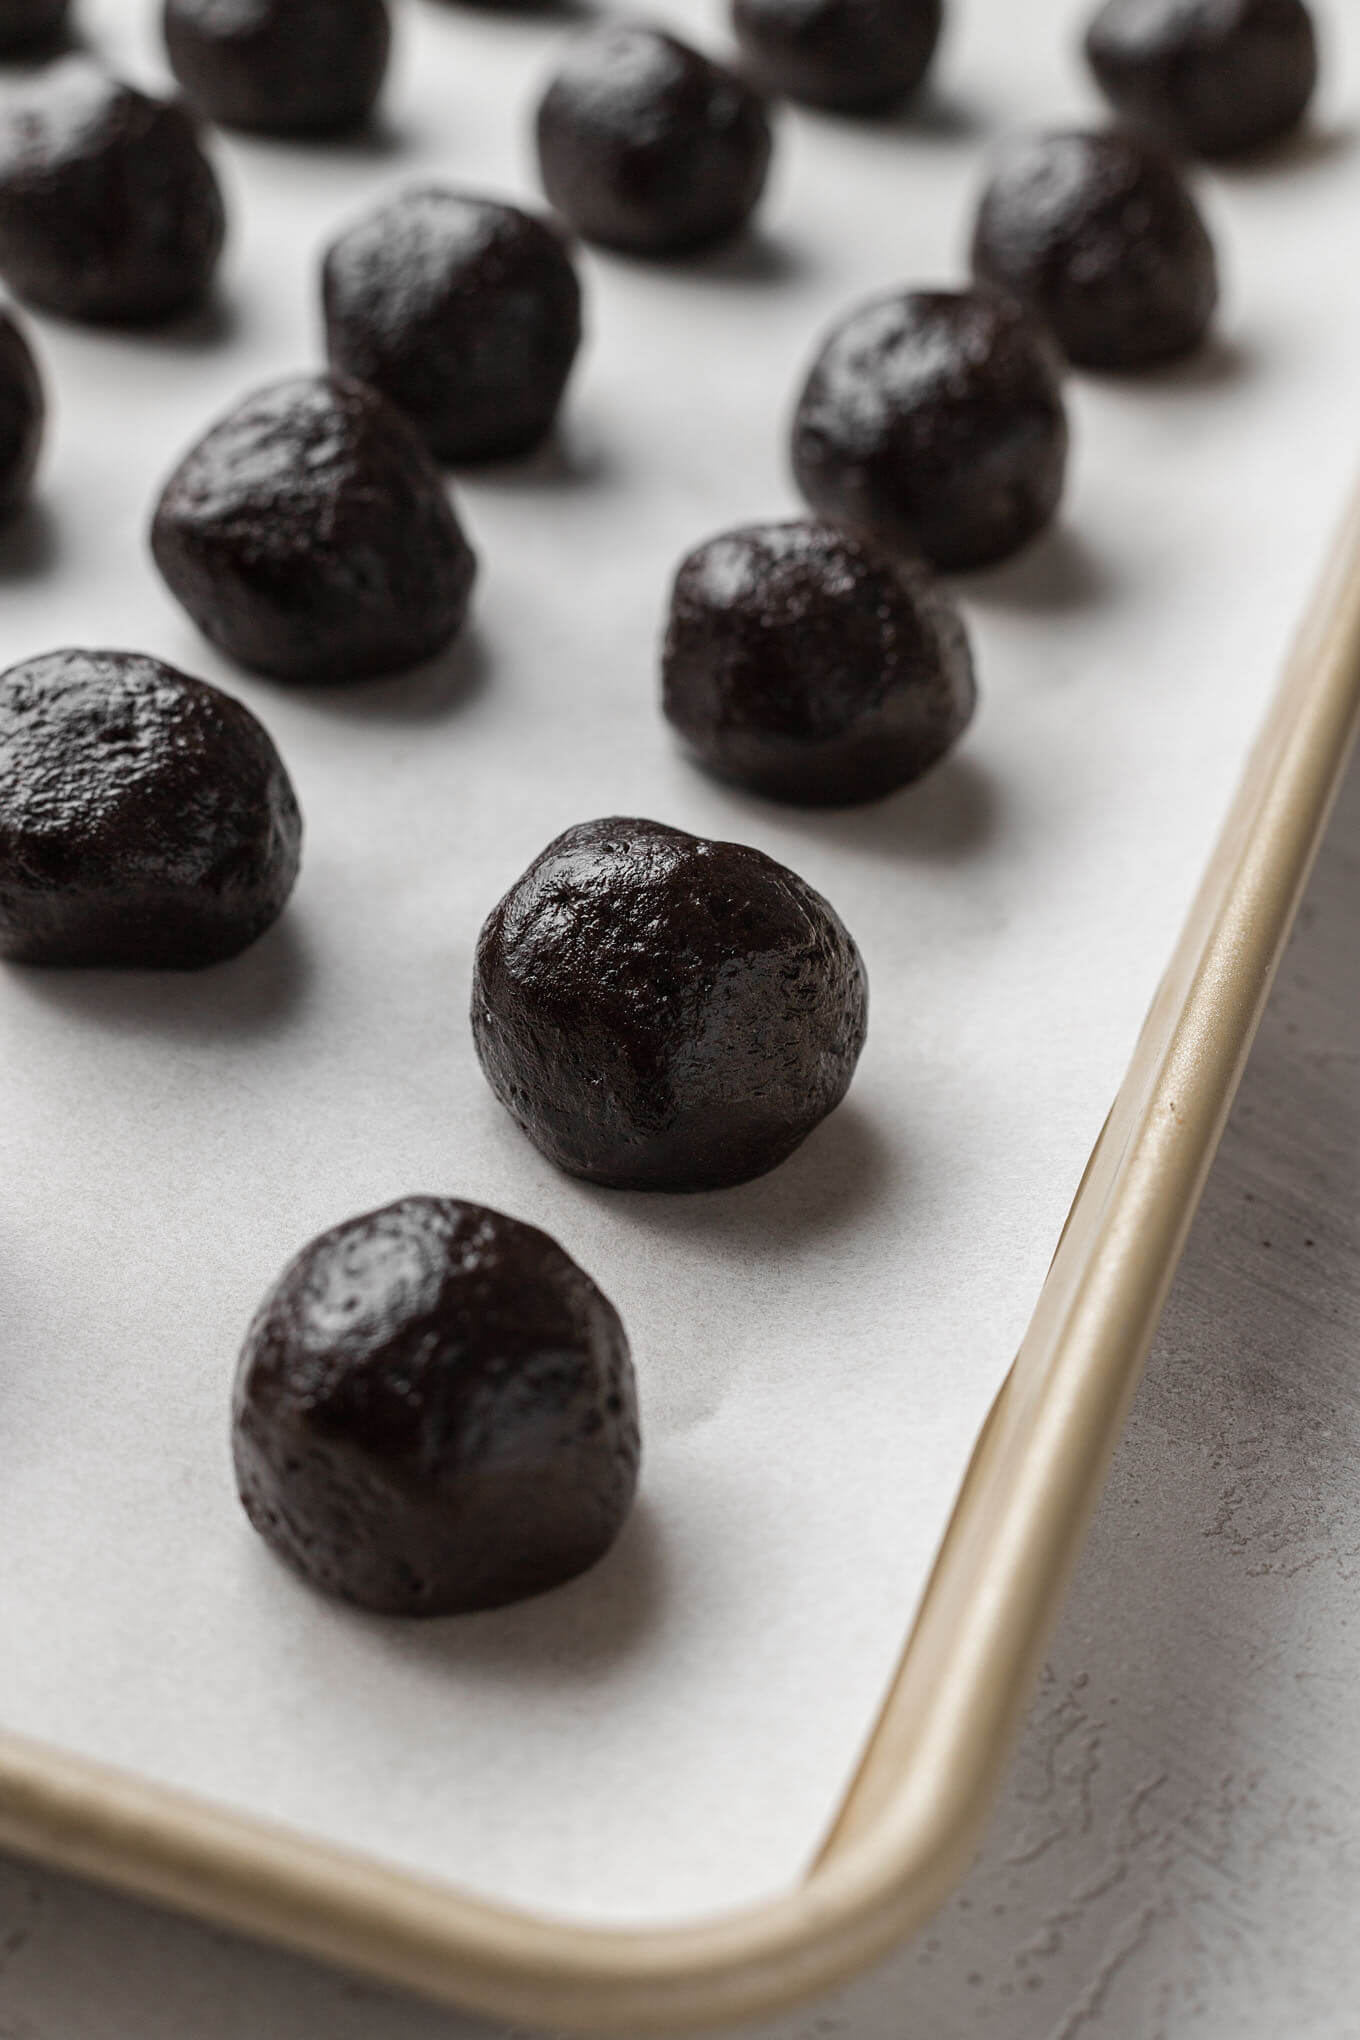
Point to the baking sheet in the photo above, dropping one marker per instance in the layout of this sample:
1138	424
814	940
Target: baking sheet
815	1351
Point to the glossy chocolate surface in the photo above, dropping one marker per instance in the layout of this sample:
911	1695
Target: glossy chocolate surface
858	55
464	312
1100	236
662	1012
27	26
309	534
109	209
645	145
1208	77
435	1412
805	661
286	67
935	420
145	817
23	410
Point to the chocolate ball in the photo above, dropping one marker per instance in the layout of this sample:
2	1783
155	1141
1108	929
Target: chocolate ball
28	25
23	410
661	1012
647	146
935	420
109	210
856	55
1207	77
464	312
145	818
309	535
435	1411
1099	235
805	661
284	67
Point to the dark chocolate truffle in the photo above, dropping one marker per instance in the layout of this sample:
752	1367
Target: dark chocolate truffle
28	25
22	412
935	419
464	312
661	1012
806	662
645	145
1099	235
1207	77
857	55
284	67
109	210
145	818
435	1411
310	536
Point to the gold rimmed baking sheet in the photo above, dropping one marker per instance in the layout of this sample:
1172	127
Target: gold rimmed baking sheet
913	1811
670	1738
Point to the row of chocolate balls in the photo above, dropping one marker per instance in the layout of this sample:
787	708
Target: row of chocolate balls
1214	77
467	312
109	210
657	1011
310	536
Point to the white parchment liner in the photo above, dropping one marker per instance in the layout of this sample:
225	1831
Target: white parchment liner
816	1351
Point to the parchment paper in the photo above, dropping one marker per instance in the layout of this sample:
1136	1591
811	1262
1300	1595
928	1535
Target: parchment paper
816	1351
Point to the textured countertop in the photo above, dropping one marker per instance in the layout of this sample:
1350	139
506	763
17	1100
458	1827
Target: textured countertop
1177	1851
